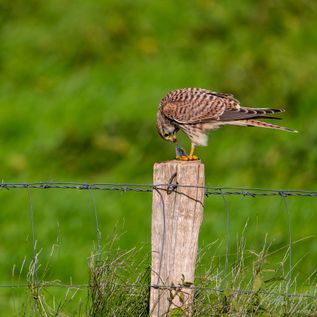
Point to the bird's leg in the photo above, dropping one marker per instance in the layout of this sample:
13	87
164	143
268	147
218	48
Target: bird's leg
191	156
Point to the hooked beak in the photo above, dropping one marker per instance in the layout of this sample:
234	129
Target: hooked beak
172	138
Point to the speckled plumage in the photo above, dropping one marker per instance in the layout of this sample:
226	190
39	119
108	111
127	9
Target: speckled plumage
196	111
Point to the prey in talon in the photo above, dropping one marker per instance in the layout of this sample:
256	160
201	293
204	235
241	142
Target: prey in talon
197	111
182	155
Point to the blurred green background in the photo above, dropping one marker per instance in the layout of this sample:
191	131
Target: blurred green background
80	83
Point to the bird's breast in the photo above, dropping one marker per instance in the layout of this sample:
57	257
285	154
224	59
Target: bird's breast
200	139
196	133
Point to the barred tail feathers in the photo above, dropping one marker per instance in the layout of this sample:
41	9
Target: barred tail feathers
261	110
260	124
243	113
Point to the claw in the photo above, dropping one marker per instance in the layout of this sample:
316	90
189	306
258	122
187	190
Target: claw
193	158
187	158
182	157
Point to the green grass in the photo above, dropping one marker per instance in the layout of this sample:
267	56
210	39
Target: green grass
64	245
119	282
79	88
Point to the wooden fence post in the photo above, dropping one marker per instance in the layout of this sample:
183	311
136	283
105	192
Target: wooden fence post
176	218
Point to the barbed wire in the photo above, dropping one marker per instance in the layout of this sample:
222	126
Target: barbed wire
147	188
221	191
43	285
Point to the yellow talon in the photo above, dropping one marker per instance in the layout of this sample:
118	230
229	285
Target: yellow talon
187	158
193	158
182	158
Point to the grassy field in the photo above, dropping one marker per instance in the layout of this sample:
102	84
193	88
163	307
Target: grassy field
79	88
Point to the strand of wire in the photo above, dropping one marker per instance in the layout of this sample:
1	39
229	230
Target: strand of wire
290	243
34	255
44	285
252	192
98	232
227	209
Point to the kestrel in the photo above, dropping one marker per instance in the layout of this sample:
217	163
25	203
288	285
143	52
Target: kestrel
197	111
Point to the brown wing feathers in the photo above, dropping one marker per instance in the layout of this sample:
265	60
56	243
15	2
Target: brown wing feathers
195	105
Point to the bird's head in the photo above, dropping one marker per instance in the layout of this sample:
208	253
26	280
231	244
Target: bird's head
166	129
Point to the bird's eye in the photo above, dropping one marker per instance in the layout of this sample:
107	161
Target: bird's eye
166	134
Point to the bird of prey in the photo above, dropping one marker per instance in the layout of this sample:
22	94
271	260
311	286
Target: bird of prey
196	111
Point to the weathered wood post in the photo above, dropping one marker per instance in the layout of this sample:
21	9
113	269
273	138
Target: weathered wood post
176	218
